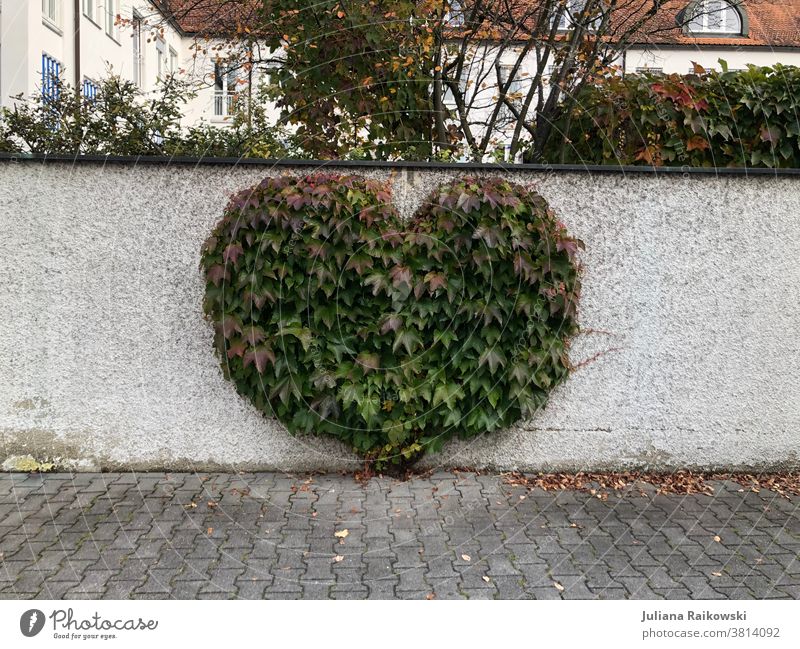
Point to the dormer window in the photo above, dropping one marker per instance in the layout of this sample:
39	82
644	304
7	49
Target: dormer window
714	17
571	15
455	14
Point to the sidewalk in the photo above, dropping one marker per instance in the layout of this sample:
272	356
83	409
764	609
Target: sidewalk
452	535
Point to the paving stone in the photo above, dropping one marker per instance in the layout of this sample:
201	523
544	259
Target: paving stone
138	536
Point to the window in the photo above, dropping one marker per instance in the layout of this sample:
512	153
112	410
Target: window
224	88
714	17
90	89
571	14
89	8
51	12
455	14
111	18
173	61
515	93
51	70
161	59
136	25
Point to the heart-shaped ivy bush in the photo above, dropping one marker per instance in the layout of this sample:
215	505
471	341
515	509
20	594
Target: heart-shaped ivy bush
337	317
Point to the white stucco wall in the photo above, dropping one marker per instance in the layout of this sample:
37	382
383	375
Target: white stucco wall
689	307
680	60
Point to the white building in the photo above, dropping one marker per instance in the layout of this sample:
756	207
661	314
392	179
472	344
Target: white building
82	41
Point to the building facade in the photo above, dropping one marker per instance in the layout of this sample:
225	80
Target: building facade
80	42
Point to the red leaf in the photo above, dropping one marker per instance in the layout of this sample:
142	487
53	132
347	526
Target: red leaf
771	134
392	323
259	355
697	143
232	252
400	274
217	273
436	281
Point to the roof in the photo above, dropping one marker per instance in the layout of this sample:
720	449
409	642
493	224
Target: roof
772	23
212	17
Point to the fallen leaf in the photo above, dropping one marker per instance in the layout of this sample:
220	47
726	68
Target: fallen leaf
717	574
558	586
717	539
341	534
314	514
210	531
486	579
430	596
466	557
338	558
212	504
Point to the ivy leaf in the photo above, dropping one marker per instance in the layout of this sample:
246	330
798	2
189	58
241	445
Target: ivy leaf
494	357
468	202
392	323
217	273
400	275
435	281
259	355
368	361
408	339
232	252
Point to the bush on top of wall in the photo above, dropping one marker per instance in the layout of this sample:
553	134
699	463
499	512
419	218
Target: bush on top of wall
337	317
746	118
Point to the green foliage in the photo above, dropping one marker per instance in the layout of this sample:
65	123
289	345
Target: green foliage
707	119
354	76
250	133
122	120
337	317
119	120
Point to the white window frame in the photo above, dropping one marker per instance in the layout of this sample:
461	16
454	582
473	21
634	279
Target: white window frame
572	10
223	96
162	61
51	77
111	28
90	84
517	87
173	61
51	13
714	20
455	15
89	8
137	49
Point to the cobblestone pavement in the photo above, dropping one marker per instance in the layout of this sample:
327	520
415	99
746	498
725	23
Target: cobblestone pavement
451	535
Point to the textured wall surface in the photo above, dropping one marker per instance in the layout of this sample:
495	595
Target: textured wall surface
690	313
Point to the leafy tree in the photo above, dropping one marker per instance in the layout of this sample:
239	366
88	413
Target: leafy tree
422	78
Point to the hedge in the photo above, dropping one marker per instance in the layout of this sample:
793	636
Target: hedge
748	118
